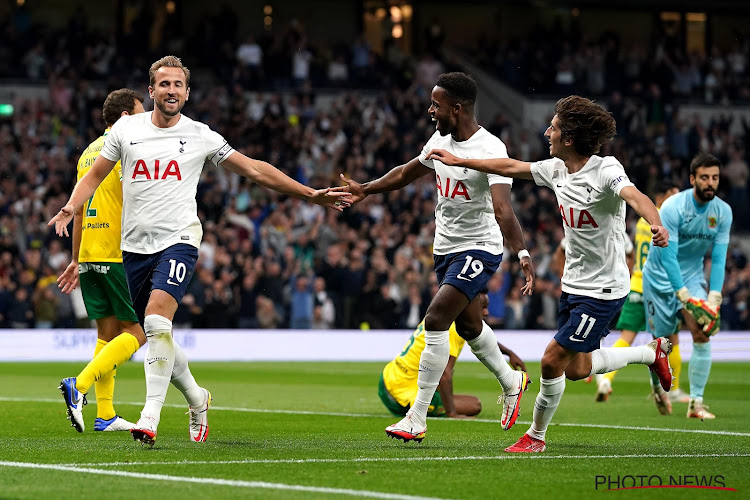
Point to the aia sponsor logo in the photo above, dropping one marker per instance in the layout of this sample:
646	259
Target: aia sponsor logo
579	220
156	171
452	188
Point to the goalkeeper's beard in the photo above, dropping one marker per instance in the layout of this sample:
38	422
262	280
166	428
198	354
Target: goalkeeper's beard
705	195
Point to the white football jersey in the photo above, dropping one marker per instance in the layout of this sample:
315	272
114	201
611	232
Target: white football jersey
464	217
593	216
161	168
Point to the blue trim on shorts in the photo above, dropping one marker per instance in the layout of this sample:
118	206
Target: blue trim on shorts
582	322
468	271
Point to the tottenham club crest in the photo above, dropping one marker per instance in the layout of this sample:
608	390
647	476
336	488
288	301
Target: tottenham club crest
182	146
588	199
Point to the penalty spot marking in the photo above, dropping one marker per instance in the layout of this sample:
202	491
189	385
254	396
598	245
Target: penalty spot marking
364	415
520	456
221	482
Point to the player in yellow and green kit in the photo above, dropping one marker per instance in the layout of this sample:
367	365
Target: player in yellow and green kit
97	263
398	382
633	316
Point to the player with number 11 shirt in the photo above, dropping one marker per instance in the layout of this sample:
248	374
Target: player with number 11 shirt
163	153
591	193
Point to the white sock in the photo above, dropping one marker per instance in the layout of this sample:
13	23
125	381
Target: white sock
486	350
549	396
613	358
432	364
184	380
159	362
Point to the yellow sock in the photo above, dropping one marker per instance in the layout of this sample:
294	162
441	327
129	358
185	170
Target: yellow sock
109	357
619	343
675	361
105	389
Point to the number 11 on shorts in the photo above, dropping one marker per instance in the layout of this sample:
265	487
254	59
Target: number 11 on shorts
580	335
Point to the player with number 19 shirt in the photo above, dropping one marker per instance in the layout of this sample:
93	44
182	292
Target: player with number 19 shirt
472	215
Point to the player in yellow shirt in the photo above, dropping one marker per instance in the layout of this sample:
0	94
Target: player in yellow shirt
398	382
97	264
633	316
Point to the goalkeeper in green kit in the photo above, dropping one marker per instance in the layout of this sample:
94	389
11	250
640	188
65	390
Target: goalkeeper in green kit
674	283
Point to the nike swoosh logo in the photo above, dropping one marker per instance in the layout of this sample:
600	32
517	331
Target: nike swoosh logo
133	143
152	361
462	278
170	282
559	185
574	339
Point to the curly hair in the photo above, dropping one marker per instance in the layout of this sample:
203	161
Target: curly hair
118	101
168	61
585	123
703	160
459	86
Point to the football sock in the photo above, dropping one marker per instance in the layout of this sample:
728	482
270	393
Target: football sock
104	388
550	393
699	368
184	380
675	362
618	343
107	358
432	364
486	350
158	363
608	359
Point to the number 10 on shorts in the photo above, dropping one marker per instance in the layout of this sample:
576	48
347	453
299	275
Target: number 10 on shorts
177	270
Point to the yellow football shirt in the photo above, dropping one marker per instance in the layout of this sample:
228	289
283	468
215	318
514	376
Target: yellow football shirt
102	213
643	238
400	375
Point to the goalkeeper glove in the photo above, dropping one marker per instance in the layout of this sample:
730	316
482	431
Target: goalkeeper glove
714	302
699	309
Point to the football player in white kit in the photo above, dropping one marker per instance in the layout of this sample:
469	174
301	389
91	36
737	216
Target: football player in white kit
591	193
471	211
162	154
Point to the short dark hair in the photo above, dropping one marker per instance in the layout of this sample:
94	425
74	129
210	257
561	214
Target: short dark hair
664	186
703	160
586	123
118	101
459	86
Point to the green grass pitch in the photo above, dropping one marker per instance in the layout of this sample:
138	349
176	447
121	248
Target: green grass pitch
315	430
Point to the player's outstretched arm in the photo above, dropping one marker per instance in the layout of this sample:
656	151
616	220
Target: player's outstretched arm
271	177
501	166
83	191
395	179
643	205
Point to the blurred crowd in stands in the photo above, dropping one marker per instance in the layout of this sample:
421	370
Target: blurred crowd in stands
271	262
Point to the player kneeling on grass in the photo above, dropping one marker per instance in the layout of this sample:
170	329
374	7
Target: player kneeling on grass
398	382
591	192
674	283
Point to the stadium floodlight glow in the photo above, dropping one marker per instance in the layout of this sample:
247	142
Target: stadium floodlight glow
380	13
6	110
395	14
397	31
406	11
268	10
171	6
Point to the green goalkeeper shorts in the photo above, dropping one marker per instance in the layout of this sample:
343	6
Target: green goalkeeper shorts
436	408
105	291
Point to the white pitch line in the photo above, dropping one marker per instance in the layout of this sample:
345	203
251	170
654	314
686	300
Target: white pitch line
221	482
524	456
365	415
